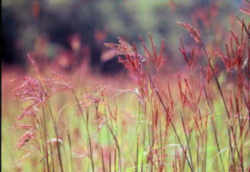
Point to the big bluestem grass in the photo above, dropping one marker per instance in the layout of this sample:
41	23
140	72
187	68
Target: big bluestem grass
197	120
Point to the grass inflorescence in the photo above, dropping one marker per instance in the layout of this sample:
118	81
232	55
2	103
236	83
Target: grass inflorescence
195	120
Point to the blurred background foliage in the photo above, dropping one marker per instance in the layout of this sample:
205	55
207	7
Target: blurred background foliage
30	25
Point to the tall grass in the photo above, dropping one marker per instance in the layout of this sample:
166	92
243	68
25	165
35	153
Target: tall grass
197	120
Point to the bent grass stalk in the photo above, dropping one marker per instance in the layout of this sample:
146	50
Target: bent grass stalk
87	129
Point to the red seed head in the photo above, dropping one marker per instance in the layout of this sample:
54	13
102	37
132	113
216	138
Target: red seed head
194	33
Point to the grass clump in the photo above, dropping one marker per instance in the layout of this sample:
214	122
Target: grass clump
191	121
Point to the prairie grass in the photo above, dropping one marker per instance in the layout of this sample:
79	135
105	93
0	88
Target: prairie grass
194	120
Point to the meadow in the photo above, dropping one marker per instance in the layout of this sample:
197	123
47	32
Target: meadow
196	119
